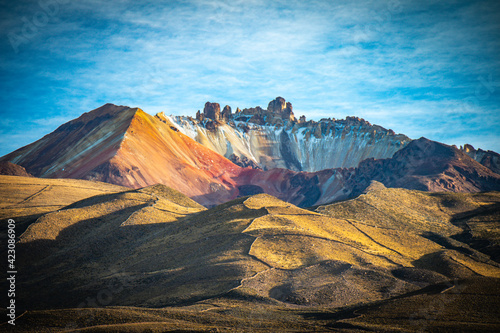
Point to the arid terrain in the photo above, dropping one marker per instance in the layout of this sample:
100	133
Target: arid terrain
252	221
250	166
103	258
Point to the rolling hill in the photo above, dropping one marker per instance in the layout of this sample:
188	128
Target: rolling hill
25	199
152	258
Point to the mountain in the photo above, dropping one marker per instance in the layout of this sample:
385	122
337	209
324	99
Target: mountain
422	165
428	166
418	238
152	258
273	138
126	146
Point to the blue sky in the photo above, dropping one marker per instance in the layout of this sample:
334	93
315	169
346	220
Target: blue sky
422	68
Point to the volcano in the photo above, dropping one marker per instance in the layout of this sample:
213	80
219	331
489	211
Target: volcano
220	156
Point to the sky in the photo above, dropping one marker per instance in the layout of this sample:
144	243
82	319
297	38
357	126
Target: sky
421	68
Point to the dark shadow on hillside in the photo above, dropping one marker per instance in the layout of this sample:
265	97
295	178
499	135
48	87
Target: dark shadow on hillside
483	211
444	307
67	271
488	215
97	199
357	310
447	242
22	222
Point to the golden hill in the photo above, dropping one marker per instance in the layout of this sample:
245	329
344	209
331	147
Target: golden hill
453	220
254	257
24	199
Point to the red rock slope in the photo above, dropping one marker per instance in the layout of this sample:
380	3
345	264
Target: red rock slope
427	166
126	146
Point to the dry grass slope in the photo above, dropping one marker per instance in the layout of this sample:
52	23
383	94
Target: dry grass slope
255	263
24	199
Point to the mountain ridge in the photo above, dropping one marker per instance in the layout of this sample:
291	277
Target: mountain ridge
126	146
488	158
274	138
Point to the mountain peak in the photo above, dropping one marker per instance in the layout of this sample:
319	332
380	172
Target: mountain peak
77	146
281	107
304	163
424	147
109	108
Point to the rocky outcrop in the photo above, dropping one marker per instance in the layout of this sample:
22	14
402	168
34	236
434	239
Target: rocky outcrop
288	113
11	169
212	111
243	162
489	158
282	108
277	105
200	116
226	114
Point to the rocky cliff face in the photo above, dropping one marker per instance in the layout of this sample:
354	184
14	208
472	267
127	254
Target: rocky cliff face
427	166
212	111
423	165
273	138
